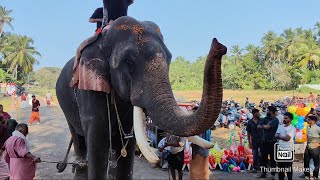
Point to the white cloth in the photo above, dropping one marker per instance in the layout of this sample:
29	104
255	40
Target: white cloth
23	104
20	135
289	130
280	117
162	142
49	96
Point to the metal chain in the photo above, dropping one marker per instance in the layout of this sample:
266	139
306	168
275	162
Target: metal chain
110	138
121	131
118	119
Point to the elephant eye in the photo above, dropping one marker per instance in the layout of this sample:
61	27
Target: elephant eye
130	65
129	62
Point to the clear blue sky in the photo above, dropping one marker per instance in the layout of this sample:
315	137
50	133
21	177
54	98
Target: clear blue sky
188	26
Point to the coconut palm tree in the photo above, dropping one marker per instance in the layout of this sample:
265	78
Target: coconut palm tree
236	52
290	46
317	30
309	55
19	53
5	18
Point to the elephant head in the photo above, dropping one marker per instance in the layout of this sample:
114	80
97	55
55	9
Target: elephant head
139	67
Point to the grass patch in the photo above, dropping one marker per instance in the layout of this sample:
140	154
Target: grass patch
7	103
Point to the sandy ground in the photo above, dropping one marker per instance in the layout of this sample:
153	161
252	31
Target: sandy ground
50	139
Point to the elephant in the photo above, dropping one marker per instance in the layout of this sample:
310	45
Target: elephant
118	77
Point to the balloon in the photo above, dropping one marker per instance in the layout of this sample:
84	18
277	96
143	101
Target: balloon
295	116
299	136
300	126
312	106
305	124
294	122
292	109
304	138
304	130
301	119
299	111
306	110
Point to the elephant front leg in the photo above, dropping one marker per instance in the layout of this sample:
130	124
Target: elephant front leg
95	124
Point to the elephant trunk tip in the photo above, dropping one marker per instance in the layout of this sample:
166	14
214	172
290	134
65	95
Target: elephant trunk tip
218	48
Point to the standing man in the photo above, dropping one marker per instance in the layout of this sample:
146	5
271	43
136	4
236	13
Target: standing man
17	155
254	137
269	125
199	165
176	158
35	116
285	134
48	98
313	147
23	100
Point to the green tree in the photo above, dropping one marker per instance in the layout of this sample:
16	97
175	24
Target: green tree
236	53
19	52
309	54
5	18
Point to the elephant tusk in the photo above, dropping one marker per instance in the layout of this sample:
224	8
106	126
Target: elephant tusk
141	137
200	142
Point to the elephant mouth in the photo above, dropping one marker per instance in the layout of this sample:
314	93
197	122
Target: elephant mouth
142	139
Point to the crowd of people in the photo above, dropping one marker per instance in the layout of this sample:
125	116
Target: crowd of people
264	133
16	160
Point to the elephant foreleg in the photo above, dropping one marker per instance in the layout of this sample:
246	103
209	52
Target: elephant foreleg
95	123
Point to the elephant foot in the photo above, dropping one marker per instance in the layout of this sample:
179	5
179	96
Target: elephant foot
81	174
80	168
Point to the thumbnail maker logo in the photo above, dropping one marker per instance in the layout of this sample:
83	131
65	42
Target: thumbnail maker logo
284	152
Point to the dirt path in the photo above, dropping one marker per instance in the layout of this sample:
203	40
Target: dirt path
50	139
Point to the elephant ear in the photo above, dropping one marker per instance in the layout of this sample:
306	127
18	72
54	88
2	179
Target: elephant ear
154	27
90	69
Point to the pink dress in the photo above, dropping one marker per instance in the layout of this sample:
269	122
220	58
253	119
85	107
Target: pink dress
19	167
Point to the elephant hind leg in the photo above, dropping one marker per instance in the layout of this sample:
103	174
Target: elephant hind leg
79	144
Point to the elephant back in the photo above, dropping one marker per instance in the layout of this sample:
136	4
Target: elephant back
90	70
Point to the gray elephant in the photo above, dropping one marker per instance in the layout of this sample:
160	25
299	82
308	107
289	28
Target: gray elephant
116	78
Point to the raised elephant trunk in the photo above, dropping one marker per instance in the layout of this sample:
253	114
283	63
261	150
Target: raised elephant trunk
165	112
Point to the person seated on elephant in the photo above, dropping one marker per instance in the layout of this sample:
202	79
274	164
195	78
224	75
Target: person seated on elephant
97	17
112	10
176	156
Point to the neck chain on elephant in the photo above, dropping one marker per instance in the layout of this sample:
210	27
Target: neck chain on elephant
112	160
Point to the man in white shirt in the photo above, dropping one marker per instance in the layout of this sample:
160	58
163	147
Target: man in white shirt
285	135
48	98
176	157
163	151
